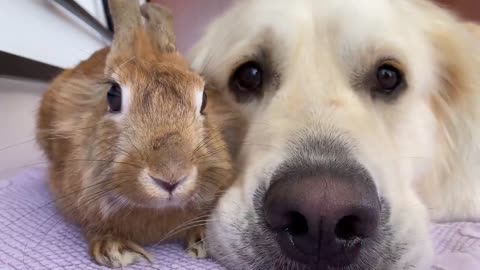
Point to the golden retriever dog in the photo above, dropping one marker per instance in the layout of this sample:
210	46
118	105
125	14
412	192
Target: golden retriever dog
362	128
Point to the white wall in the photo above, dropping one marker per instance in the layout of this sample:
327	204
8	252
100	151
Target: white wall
40	30
18	104
44	31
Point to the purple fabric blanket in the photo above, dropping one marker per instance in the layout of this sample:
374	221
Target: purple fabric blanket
34	236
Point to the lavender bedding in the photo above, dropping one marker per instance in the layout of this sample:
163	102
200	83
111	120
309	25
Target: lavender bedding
34	236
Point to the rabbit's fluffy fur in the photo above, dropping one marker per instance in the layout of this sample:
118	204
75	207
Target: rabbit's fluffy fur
103	164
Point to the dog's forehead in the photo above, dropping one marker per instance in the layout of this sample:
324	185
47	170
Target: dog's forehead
313	27
376	12
283	15
342	28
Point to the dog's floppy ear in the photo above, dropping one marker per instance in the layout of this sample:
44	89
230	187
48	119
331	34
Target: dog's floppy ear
457	65
457	51
475	28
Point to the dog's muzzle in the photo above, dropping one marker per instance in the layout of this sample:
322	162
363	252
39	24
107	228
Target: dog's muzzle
322	206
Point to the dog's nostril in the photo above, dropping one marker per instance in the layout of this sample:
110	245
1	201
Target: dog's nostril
347	228
297	224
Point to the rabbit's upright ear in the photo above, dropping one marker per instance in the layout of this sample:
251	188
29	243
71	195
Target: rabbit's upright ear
127	21
159	26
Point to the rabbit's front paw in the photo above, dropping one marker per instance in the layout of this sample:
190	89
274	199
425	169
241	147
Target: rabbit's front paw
116	253
196	245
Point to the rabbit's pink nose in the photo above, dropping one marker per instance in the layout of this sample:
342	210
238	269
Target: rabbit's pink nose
168	185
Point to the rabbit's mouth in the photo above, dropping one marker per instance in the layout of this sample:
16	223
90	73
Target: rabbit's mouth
149	192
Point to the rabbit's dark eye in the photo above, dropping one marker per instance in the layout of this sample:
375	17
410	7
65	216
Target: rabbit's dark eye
114	97
204	103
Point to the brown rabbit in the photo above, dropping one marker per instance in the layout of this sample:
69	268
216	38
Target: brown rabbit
133	152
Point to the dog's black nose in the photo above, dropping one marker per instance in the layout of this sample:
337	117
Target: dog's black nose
323	218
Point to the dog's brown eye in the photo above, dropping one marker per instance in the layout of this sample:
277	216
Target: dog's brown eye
204	103
389	78
247	78
114	97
